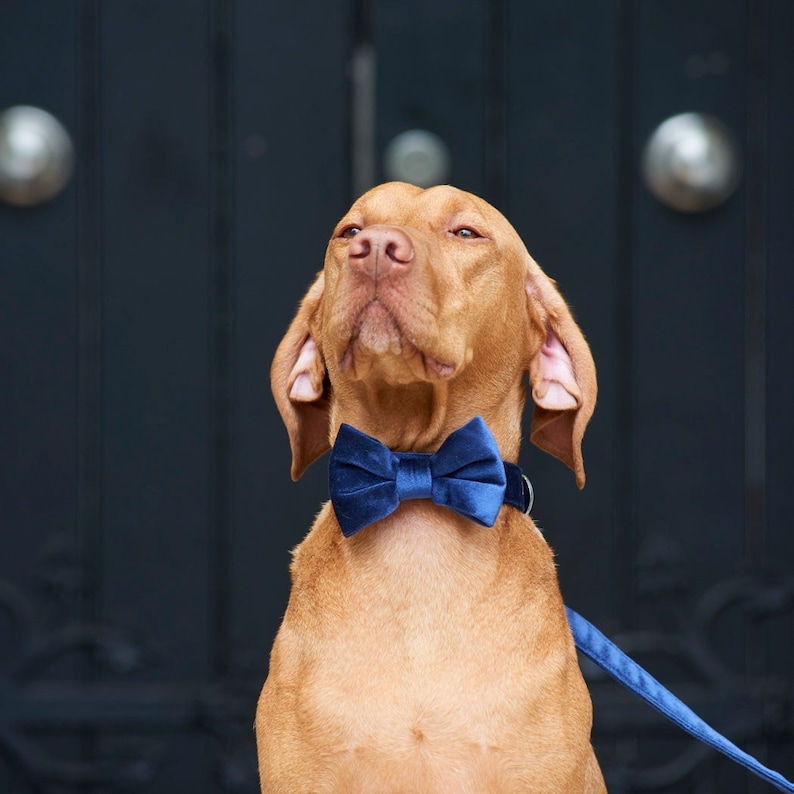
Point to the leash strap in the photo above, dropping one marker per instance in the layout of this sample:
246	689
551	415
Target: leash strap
601	650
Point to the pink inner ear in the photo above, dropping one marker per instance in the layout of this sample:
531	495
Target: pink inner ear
307	374
556	387
303	390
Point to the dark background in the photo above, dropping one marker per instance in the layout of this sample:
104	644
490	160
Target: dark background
146	510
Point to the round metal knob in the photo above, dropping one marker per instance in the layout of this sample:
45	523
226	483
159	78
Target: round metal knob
692	162
418	157
36	156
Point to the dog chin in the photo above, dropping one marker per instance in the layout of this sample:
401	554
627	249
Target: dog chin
378	344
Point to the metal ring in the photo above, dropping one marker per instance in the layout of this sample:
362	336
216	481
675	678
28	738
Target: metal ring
529	491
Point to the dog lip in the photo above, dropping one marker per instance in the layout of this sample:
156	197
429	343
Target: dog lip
439	367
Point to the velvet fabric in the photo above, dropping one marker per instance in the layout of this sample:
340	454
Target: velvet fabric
593	644
367	481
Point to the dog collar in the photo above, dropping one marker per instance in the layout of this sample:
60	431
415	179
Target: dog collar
367	481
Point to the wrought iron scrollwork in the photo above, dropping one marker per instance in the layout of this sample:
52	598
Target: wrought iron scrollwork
137	721
752	708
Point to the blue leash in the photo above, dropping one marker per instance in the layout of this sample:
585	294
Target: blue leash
601	650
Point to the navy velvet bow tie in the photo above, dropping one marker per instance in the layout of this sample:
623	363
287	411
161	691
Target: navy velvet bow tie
367	481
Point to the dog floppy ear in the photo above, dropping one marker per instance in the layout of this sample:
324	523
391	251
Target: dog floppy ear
299	383
561	374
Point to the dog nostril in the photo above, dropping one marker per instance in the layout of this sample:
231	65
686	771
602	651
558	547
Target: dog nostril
399	252
359	246
398	248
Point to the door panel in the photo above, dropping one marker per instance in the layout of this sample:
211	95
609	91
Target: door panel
38	400
562	199
431	75
776	244
153	551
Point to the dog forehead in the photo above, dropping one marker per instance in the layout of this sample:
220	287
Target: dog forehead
400	203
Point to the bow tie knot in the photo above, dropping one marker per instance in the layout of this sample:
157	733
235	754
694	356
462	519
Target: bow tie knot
414	478
367	481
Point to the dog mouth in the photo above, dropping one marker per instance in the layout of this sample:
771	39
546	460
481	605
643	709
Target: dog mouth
377	334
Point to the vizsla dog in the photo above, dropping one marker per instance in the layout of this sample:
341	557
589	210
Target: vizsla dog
426	652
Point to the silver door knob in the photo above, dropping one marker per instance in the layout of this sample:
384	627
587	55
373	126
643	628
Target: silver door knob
36	156
692	162
418	157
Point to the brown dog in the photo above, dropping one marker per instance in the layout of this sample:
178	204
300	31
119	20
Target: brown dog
427	653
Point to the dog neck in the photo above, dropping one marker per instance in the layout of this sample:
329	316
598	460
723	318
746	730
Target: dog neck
418	417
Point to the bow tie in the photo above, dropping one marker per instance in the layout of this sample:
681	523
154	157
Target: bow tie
367	481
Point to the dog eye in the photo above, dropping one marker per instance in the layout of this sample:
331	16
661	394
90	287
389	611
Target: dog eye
465	233
350	231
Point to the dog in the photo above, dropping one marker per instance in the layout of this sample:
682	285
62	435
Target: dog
427	653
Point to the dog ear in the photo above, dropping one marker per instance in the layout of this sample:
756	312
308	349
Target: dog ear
299	383
561	374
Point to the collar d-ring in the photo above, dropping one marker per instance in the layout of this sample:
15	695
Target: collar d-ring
529	494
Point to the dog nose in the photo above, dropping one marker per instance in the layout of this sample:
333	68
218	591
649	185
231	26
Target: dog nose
379	251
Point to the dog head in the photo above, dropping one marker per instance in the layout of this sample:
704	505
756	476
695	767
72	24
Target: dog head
428	311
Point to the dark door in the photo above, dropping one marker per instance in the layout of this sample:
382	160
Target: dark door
146	510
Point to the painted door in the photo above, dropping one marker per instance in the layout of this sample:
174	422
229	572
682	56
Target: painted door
146	510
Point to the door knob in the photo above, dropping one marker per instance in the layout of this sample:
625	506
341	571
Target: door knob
692	162
36	156
418	157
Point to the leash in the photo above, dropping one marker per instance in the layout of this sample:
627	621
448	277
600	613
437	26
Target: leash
601	650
